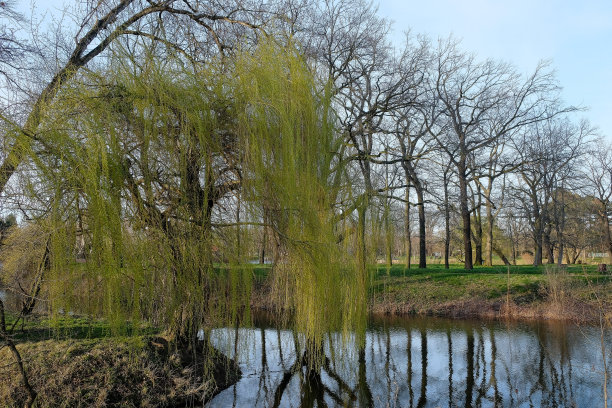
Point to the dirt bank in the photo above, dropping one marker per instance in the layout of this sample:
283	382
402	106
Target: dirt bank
570	310
113	372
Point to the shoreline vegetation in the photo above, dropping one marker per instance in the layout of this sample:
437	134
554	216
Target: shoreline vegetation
574	293
77	361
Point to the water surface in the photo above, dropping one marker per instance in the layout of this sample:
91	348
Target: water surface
425	362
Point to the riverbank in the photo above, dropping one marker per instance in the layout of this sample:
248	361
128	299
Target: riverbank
82	365
576	293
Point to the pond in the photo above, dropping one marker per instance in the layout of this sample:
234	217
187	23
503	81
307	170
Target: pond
426	362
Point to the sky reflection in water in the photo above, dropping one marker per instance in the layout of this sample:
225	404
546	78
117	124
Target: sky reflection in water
430	362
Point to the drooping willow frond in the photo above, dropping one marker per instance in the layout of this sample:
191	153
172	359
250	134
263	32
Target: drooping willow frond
147	155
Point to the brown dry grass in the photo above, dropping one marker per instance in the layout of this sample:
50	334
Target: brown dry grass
110	372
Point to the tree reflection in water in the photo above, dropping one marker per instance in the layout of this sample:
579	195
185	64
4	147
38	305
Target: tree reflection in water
469	357
462	364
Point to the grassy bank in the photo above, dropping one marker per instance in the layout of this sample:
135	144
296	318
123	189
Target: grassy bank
80	362
76	362
577	292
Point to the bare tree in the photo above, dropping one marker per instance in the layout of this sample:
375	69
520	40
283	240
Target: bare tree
350	48
495	164
12	48
105	22
471	95
598	173
415	145
547	149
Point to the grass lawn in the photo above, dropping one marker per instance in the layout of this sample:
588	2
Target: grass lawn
484	291
40	328
523	284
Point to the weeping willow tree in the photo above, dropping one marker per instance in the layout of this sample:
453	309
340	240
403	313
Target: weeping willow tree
138	184
292	165
144	153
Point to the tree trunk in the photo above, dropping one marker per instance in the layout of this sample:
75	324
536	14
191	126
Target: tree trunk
477	236
560	226
550	256
446	223
262	251
513	244
422	236
465	213
546	229
388	236
537	220
408	243
416	183
489	247
605	225
499	253
560	251
478	230
537	258
4	335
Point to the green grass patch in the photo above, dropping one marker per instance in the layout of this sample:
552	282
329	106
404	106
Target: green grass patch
523	283
40	328
439	270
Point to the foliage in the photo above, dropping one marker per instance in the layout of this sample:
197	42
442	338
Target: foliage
7	222
290	148
148	156
23	258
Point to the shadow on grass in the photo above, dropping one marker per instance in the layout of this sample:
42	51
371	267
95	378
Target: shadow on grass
525	282
438	270
39	328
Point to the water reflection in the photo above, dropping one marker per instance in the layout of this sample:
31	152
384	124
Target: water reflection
422	363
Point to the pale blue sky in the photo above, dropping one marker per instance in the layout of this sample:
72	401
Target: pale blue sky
576	35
